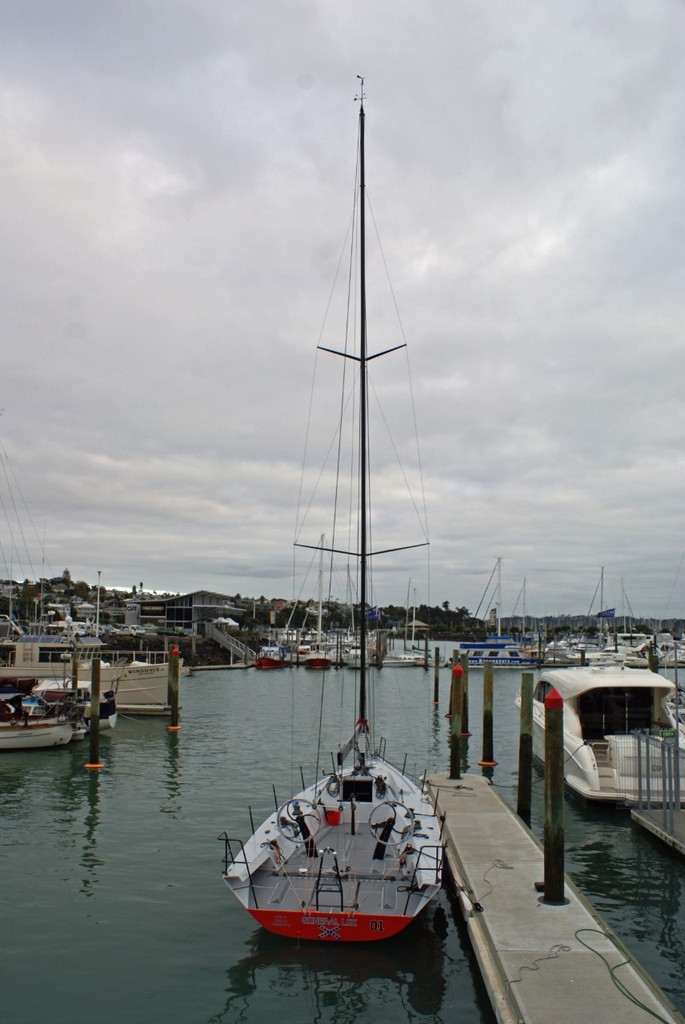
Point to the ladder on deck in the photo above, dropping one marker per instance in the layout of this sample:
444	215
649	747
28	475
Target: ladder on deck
329	881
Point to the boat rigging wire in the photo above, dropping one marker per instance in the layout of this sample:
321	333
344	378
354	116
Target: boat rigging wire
485	592
8	470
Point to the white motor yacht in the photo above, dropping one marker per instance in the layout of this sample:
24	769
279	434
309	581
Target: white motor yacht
606	711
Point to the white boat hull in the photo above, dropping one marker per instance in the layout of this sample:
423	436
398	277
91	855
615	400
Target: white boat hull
35	735
498	653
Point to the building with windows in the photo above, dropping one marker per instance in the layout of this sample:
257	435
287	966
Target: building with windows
181	612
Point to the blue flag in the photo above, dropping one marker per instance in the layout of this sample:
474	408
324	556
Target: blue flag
608	613
372	614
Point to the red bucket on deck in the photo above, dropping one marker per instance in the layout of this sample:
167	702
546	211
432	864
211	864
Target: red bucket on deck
333	815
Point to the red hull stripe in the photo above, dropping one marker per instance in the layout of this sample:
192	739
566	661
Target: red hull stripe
330	927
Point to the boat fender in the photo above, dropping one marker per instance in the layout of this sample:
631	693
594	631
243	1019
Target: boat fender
468	905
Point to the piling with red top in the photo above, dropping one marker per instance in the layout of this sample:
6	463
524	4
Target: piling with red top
465	700
554	800
456	705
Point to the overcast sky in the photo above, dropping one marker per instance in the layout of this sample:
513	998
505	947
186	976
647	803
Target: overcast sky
176	182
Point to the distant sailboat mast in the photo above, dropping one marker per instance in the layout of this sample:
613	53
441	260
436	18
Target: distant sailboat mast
406	617
523	627
320	613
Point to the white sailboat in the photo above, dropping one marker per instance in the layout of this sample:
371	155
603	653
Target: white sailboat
358	854
318	657
409	656
33	723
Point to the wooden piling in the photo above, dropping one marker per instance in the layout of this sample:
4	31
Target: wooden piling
525	784
436	677
173	687
464	661
450	708
456	703
554	800
488	760
94	762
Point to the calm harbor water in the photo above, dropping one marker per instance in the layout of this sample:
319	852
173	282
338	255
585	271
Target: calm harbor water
115	908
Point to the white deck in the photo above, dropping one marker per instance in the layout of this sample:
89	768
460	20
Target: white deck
342	867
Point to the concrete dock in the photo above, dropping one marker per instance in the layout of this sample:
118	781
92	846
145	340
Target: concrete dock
540	963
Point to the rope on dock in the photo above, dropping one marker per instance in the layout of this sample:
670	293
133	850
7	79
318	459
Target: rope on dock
612	971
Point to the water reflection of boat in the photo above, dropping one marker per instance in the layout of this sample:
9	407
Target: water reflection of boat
340	980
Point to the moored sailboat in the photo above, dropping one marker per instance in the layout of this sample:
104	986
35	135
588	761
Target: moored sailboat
358	854
30	722
272	656
318	656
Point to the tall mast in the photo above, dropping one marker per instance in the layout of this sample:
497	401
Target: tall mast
363	429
